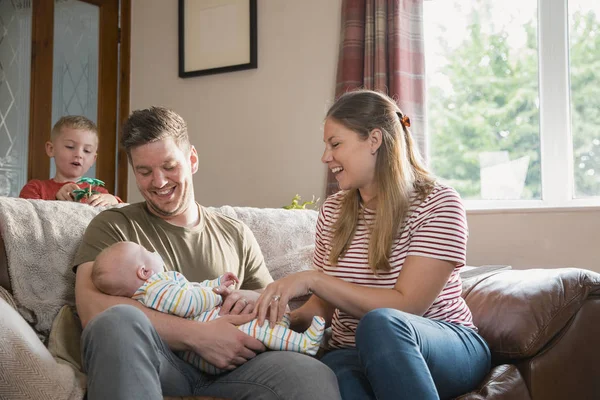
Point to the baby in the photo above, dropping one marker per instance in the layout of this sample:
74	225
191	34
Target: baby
130	270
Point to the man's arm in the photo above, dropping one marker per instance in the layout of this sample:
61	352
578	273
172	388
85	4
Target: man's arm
91	302
219	341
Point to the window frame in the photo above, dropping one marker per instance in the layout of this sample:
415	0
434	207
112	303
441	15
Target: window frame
556	139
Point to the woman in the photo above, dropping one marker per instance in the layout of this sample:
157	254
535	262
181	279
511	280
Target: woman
388	251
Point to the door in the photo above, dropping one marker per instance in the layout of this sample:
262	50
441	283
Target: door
75	69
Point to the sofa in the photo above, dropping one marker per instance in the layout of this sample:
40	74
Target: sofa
542	325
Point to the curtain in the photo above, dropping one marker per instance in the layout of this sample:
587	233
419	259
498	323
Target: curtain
382	49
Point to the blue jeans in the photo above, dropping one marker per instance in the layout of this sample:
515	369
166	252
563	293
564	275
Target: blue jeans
404	356
126	359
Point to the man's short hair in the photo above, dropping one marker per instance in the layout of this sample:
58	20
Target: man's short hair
153	124
73	122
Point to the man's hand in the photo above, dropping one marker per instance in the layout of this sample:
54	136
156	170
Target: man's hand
64	193
237	301
222	344
102	199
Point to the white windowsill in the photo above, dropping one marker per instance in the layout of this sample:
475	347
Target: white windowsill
529	206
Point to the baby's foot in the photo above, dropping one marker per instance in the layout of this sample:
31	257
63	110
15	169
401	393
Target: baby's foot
314	335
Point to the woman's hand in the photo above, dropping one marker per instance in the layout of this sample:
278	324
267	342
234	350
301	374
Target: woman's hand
276	296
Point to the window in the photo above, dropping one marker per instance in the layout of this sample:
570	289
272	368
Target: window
514	100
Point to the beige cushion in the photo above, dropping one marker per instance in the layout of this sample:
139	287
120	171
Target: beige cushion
64	342
4	295
29	371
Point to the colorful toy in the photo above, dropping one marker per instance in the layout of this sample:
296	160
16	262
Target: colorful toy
87	193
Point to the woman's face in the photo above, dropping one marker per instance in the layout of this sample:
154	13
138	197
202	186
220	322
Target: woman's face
350	158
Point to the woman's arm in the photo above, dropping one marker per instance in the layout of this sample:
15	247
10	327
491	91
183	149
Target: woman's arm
419	283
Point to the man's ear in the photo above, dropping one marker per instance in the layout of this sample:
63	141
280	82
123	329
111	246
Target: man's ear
375	140
194	159
50	149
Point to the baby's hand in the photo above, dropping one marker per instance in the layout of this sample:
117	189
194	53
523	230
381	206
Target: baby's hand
102	199
228	279
64	193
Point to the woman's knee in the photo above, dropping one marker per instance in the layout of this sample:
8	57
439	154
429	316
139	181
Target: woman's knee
383	324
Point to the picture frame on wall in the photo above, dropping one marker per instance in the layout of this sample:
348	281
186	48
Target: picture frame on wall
216	36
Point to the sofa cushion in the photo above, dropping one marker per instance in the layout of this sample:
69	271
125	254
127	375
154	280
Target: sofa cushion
504	382
519	312
7	297
284	236
41	238
28	369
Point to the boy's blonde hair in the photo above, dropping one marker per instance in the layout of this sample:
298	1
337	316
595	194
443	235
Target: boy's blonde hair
73	122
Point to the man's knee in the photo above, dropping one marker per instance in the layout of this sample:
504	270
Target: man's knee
302	368
118	321
286	366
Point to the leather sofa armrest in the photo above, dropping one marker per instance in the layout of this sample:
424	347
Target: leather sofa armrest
519	311
504	382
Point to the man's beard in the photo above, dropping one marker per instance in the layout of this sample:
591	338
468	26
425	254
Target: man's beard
180	207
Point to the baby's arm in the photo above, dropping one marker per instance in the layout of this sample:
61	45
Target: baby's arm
224	281
170	292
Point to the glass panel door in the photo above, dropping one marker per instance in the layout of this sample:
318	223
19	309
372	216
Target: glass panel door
75	70
15	78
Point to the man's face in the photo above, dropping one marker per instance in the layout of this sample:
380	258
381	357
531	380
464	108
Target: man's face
163	173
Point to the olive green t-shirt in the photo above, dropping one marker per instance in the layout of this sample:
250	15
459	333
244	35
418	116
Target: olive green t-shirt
218	244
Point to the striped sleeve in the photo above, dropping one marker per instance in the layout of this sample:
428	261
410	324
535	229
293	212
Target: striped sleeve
170	292
209	283
439	228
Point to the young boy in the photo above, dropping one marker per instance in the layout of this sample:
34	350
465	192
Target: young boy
73	144
128	269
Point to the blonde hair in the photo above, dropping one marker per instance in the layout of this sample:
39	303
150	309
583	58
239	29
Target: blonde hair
399	172
73	122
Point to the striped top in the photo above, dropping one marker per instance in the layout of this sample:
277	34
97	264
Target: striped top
170	292
435	227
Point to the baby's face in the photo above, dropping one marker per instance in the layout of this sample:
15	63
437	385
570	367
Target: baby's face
153	261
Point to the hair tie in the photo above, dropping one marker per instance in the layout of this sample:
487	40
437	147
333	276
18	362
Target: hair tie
404	120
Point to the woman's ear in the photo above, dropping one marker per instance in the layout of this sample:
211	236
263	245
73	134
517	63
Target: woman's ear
375	140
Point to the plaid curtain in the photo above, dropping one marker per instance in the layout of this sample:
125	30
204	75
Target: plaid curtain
382	48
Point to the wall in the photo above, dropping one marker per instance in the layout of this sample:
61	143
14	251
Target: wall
538	238
259	131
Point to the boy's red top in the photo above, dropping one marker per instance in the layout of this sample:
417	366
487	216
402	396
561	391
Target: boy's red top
46	190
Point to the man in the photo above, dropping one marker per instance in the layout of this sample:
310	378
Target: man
127	348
